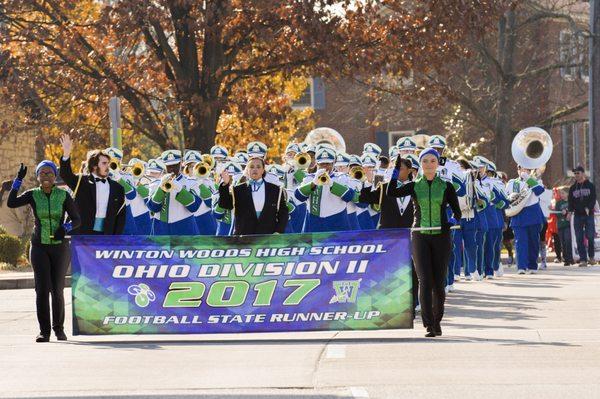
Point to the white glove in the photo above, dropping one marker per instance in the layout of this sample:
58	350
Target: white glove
318	174
115	175
177	187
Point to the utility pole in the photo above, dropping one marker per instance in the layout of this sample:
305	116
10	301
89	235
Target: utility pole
114	111
594	91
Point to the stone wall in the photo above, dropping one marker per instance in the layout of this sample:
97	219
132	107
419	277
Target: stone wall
14	149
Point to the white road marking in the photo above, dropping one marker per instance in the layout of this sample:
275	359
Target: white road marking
359	392
335	351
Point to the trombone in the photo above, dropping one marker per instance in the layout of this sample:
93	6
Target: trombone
302	160
358	173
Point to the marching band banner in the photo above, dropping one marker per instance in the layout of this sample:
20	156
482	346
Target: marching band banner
190	285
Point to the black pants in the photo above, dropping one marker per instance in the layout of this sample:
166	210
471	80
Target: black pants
431	253
50	263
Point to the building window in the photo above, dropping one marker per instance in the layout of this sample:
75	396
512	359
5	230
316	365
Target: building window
568	55
575	146
584	72
313	96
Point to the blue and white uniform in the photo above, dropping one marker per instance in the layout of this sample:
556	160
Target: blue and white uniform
527	223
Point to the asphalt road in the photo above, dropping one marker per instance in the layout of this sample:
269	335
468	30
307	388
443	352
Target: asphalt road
531	336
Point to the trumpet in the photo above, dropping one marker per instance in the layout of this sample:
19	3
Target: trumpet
358	173
209	161
323	179
167	185
302	160
114	164
202	169
138	169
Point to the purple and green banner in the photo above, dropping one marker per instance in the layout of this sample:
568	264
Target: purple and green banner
353	280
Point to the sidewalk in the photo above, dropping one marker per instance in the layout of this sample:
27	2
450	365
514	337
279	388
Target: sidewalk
10	280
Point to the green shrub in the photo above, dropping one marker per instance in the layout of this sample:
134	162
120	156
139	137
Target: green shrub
3	230
10	249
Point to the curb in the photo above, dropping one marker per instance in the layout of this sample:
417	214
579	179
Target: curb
25	282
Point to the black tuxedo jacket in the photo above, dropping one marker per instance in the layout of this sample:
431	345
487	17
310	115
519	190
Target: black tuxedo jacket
390	213
273	218
85	199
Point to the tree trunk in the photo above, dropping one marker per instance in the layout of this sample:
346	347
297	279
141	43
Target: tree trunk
503	129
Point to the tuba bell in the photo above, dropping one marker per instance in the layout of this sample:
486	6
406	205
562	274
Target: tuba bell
531	149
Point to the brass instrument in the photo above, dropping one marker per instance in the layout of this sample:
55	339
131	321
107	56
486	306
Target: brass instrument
209	161
531	149
325	135
358	173
167	185
202	169
324	179
114	164
302	160
138	169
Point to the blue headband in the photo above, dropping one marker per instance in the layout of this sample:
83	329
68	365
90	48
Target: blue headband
429	151
47	163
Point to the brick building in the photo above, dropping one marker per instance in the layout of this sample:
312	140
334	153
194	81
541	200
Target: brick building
346	106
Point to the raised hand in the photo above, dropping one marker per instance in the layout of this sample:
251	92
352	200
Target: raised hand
398	162
67	145
225	177
22	172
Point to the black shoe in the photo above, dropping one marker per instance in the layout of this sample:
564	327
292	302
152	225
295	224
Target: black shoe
438	329
42	338
60	335
430	333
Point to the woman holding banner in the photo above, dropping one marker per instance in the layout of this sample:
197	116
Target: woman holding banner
259	207
431	240
49	253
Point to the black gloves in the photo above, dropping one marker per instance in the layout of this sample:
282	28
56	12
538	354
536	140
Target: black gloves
398	162
59	234
22	172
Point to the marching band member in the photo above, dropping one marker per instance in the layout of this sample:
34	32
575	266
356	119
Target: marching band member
154	172
224	216
406	146
465	237
294	175
49	252
256	149
130	180
259	206
327	194
204	189
116	159
481	203
342	166
241	157
495	194
500	202
527	223
451	172
100	200
173	199
430	248
363	218
369	163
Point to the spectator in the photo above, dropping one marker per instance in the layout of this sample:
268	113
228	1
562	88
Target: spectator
582	199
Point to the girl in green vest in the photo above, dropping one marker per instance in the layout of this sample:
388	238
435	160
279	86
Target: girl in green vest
431	239
49	252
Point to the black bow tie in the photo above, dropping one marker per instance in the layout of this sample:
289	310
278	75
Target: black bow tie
99	179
